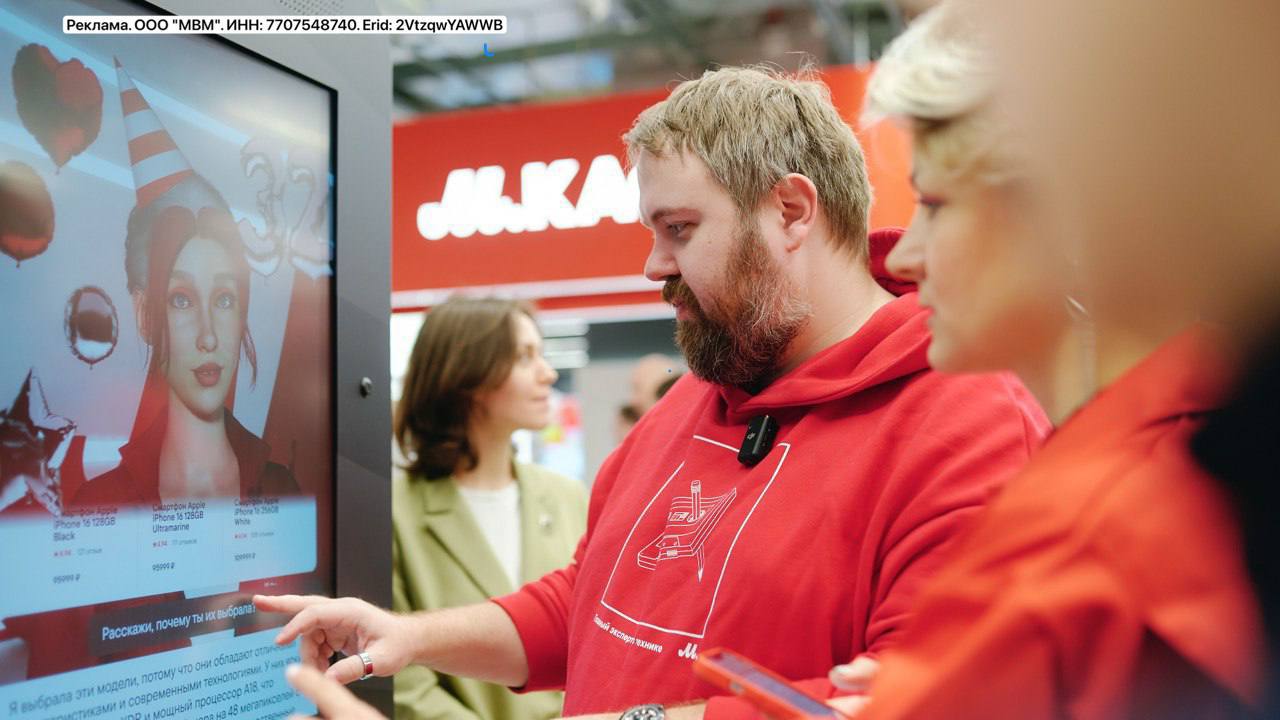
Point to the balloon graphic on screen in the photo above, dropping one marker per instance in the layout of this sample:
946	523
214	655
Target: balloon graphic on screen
60	103
92	325
26	212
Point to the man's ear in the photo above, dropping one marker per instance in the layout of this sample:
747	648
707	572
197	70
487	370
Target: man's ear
140	315
796	199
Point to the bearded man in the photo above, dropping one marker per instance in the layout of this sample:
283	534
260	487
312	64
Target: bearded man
789	496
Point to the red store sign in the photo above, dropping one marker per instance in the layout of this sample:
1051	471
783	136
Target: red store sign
535	201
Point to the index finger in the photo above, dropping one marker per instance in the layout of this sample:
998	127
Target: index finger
324	614
291	604
294	605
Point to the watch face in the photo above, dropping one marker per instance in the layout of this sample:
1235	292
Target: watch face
645	712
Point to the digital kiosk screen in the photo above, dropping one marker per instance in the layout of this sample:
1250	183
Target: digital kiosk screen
166	404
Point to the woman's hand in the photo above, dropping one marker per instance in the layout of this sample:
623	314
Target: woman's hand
333	701
344	625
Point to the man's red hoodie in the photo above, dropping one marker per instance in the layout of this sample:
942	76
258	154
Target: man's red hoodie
803	561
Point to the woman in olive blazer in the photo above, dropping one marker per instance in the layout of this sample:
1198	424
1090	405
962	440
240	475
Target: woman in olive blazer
442	560
470	523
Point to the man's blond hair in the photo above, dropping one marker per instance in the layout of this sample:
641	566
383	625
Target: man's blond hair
753	125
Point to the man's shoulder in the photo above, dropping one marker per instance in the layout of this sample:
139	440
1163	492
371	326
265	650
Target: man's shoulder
956	398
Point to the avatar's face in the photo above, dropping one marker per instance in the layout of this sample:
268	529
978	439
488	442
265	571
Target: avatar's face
202	306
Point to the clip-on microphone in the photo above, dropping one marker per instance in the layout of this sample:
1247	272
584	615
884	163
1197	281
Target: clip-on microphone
761	430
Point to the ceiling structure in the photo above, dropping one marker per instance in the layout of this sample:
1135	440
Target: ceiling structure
559	49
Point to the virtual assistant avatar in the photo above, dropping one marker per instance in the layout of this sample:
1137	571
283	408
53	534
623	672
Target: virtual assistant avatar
189	281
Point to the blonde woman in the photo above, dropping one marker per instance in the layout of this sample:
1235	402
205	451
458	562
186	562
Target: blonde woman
1105	581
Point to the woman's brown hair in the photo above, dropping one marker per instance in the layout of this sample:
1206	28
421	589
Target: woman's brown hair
465	346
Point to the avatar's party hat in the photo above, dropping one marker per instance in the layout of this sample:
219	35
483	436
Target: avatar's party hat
156	161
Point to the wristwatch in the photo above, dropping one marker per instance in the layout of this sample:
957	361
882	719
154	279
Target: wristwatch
644	712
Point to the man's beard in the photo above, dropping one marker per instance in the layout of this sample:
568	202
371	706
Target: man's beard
740	338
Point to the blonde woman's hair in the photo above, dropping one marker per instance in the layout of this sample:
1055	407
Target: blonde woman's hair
754	125
939	77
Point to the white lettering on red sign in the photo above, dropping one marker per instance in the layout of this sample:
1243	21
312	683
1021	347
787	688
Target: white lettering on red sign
473	201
